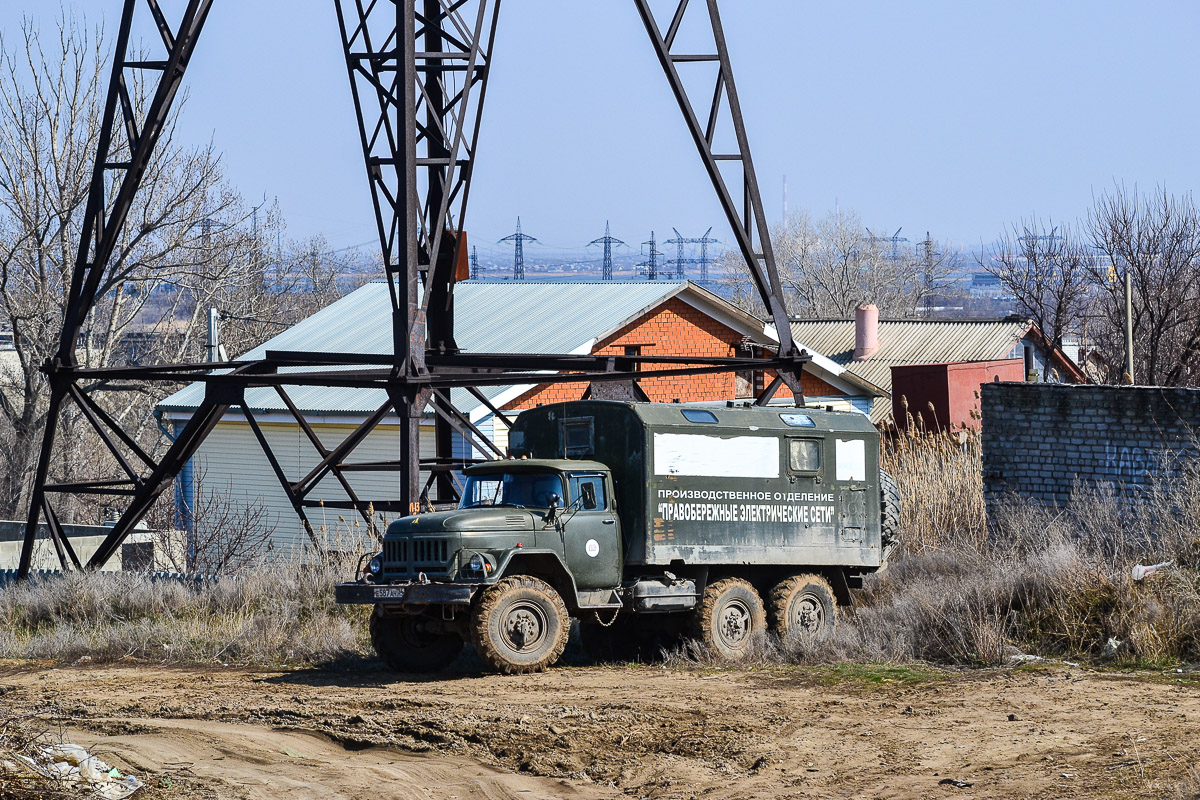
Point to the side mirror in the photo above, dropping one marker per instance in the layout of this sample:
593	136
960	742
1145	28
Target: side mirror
588	490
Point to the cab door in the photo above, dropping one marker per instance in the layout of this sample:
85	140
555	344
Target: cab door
591	532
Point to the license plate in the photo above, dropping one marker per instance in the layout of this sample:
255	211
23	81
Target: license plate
389	593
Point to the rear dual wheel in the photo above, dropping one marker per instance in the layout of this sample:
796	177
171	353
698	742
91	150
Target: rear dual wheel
803	609
729	617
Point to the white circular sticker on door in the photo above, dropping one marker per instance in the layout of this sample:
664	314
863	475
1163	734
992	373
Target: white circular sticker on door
592	547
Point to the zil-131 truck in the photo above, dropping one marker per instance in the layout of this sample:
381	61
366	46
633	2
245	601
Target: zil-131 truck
643	521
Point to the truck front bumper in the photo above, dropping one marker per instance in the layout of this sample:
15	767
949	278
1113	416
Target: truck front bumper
442	594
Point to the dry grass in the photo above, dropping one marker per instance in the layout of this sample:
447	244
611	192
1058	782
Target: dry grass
286	615
941	484
1039	581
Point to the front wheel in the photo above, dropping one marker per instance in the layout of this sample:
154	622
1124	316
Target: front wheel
413	643
520	625
729	617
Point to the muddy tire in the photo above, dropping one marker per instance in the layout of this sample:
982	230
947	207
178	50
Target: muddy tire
729	617
410	643
803	608
889	513
520	625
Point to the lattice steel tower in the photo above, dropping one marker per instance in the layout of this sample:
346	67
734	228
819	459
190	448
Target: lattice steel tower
519	239
651	262
418	73
704	241
608	240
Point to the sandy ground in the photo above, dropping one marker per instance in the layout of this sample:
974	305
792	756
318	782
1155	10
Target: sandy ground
605	732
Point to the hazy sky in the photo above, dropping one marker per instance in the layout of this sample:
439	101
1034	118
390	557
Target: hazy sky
952	117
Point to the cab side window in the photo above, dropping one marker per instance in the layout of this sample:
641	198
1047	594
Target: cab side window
804	455
588	491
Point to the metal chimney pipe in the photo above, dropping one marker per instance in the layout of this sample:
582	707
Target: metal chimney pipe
214	335
866	331
1129	328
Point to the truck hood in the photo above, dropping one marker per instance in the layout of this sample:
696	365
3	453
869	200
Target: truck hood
501	518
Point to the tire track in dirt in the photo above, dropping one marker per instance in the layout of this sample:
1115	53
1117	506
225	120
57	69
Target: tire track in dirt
1053	731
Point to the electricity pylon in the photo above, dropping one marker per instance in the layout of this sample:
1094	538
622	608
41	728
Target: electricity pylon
519	239
608	240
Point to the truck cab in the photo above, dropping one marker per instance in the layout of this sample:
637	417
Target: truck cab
636	518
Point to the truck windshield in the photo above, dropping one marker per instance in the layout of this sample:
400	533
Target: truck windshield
518	489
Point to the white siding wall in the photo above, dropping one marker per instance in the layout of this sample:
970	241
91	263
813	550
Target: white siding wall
499	430
231	465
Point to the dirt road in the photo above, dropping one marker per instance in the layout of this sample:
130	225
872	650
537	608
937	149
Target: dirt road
591	732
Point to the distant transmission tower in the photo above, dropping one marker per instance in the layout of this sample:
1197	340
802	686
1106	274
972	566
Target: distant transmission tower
895	239
519	239
474	263
1050	237
927	252
651	264
704	241
608	240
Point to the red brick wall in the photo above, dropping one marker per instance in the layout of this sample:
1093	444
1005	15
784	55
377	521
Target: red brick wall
672	329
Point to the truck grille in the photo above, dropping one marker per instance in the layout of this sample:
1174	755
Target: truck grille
395	552
430	551
415	555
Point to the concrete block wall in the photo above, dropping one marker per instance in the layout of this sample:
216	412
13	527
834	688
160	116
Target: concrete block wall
1040	439
85	540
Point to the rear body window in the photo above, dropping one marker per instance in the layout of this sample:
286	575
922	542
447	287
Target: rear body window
804	455
699	415
579	436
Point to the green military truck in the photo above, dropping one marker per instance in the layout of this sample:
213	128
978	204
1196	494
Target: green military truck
642	521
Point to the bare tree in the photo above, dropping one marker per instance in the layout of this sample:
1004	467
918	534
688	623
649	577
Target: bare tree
829	267
1046	269
221	537
283	288
1155	239
51	101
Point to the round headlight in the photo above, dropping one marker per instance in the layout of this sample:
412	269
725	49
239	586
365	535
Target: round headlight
476	563
375	565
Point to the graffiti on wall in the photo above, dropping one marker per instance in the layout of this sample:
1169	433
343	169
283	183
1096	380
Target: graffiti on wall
1124	462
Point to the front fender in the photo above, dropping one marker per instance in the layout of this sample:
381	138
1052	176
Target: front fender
543	563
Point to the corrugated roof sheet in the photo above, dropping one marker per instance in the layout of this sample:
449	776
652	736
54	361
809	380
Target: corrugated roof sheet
516	317
911	342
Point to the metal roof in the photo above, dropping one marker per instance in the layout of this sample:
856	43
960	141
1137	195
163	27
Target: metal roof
911	342
510	317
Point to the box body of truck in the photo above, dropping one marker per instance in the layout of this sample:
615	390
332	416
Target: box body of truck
725	485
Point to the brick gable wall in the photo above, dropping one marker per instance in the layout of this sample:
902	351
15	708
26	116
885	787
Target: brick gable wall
674	328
